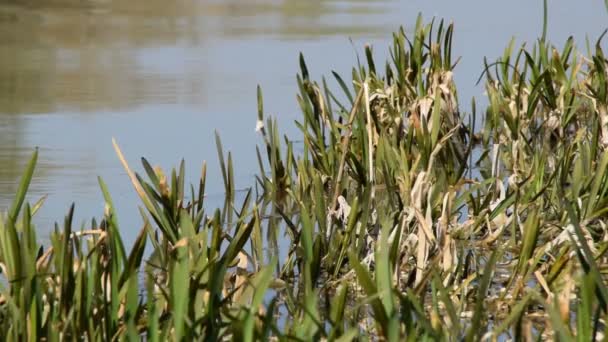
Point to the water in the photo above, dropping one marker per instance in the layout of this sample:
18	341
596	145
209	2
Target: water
162	76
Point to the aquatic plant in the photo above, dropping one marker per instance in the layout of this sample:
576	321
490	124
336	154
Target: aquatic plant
399	218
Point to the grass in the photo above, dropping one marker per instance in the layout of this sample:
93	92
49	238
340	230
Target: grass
404	218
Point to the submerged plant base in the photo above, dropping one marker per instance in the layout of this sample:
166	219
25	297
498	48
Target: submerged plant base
400	219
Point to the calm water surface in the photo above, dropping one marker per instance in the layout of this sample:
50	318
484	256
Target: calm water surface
161	76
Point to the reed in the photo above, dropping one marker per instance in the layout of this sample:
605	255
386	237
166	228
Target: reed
403	217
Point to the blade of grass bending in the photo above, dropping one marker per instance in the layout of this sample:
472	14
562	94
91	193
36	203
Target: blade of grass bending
349	335
161	219
134	260
310	325
410	300
237	243
475	330
269	321
586	257
38	204
67	274
113	220
201	188
545	15
307	235
530	237
303	67
560	327
585	306
131	175
260	283
444	296
220	155
151	174
597	182
515	315
260	98
367	283
180	285
383	269
338	305
131	307
23	186
9	247
345	144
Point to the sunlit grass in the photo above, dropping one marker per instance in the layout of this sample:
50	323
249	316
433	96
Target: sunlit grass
403	218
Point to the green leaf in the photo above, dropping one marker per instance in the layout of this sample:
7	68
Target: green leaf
179	280
23	186
475	331
260	283
303	68
366	282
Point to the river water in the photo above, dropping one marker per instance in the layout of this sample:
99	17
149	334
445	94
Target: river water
162	76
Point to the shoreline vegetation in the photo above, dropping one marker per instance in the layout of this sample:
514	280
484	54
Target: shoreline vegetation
402	218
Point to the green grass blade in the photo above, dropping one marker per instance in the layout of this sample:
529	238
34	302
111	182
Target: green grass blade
24	184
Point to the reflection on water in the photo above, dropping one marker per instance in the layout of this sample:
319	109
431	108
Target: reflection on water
160	76
90	55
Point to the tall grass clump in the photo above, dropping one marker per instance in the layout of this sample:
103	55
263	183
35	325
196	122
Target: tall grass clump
398	217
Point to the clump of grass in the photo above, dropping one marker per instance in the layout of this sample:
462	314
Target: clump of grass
403	218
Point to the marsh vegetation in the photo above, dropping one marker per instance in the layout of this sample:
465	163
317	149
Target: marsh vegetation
392	216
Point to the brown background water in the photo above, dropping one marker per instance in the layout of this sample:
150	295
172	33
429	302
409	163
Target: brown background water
161	76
